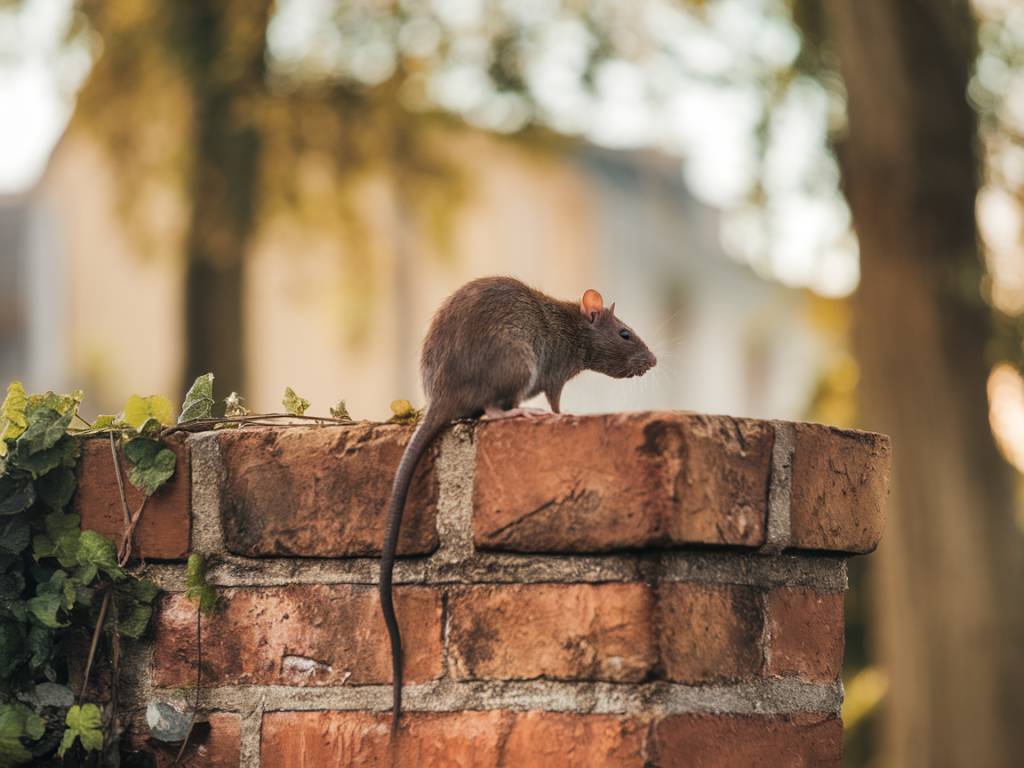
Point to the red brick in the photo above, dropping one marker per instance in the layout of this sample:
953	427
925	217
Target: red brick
709	633
805	634
840	486
597	483
470	739
727	741
305	635
322	491
163	531
215	743
557	631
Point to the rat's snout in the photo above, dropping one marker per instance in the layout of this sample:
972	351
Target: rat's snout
641	365
649	362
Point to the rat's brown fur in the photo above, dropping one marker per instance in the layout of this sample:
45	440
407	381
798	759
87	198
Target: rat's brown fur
492	344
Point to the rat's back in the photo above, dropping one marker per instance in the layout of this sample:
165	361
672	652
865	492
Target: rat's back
480	349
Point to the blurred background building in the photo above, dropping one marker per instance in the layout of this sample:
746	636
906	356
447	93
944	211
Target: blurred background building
563	220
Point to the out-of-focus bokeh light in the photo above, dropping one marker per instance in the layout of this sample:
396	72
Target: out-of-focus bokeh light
1001	222
39	75
1006	412
863	693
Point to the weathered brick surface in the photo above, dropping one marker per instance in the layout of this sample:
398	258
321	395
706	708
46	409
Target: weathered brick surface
214	743
163	531
322	491
724	741
710	633
571	484
805	634
463	739
303	635
597	483
840	485
543	739
556	631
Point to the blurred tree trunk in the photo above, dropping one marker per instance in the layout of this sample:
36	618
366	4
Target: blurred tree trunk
223	43
950	567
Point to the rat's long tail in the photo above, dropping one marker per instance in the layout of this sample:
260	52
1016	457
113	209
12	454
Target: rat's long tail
431	423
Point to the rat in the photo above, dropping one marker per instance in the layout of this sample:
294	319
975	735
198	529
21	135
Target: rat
492	344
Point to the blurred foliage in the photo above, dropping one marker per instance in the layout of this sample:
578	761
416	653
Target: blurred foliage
403	412
293	404
996	91
355	89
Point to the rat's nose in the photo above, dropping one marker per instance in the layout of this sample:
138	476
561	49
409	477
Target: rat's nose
651	360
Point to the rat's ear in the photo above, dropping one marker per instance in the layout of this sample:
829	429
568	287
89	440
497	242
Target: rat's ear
611	309
591	304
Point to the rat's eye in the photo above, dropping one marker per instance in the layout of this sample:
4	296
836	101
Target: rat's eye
625	334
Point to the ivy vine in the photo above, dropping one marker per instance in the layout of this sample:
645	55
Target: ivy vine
67	592
60	584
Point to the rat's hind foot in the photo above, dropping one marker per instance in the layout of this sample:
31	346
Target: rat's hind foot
494	413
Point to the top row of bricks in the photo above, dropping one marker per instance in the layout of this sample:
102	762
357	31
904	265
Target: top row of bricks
576	484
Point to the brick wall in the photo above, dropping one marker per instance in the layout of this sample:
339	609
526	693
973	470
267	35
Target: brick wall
651	589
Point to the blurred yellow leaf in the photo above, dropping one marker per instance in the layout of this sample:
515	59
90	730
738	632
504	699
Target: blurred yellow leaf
294	404
140	410
12	414
404	413
864	691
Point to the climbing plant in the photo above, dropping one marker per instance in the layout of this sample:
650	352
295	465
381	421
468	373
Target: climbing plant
67	595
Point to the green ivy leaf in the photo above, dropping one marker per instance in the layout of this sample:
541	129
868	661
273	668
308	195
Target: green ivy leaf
17	722
45	427
52	598
61	539
56	487
97	550
15	534
104	422
12	415
12	644
64	453
11	586
340	411
133	623
46	608
16	495
294	404
35	726
152	464
12	599
133	599
58	523
198	400
196	587
140	412
86	573
40	646
403	412
143	590
63	404
84	723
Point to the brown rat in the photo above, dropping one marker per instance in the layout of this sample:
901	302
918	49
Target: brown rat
492	344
